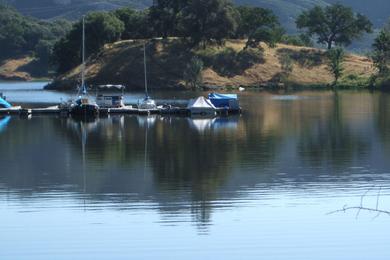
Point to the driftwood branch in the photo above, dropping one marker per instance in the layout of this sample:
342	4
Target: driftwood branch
363	208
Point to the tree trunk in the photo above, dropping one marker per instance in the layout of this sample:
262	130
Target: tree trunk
330	44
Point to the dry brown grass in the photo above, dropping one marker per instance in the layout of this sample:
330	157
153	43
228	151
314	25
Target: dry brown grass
11	69
122	63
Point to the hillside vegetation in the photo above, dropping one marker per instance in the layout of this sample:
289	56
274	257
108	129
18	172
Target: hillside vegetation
228	66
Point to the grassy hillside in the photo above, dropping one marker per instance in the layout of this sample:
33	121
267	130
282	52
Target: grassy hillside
24	68
229	66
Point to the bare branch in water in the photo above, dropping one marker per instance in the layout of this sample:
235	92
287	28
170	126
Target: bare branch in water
363	208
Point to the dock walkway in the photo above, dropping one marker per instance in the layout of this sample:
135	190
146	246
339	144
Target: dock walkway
55	110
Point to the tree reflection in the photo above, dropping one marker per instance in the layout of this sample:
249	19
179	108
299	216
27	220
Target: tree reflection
382	119
331	140
191	154
189	164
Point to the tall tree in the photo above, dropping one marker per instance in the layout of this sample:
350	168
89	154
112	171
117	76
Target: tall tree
135	22
258	24
164	16
335	24
100	28
381	51
251	18
335	64
193	72
206	21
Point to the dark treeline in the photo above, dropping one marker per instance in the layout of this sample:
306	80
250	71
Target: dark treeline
196	22
20	34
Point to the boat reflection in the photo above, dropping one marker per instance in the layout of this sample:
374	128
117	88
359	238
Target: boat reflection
202	124
194	166
147	121
4	122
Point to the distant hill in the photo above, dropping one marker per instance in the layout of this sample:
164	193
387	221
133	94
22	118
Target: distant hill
377	10
71	9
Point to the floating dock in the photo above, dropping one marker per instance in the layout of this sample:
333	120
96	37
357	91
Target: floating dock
55	110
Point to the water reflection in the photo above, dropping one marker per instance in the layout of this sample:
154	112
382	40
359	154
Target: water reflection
202	124
333	140
4	122
197	166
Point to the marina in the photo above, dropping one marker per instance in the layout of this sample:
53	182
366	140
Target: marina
104	111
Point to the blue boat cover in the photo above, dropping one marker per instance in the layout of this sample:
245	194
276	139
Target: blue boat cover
4	104
222	96
222	100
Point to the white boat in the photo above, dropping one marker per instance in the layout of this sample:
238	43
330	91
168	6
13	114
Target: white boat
110	100
201	106
83	105
147	103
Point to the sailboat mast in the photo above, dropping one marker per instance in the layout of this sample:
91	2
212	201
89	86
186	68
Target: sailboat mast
83	57
146	81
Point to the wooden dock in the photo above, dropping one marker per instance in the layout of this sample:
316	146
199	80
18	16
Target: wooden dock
55	110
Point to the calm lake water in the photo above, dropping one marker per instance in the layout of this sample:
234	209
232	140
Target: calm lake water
255	186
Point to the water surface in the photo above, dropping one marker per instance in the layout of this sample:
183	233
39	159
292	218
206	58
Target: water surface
255	186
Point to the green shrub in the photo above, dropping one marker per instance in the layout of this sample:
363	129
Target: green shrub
354	81
193	73
228	62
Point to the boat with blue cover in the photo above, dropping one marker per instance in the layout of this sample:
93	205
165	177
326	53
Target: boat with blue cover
3	102
228	101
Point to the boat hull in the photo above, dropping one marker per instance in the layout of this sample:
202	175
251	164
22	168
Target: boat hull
147	104
85	110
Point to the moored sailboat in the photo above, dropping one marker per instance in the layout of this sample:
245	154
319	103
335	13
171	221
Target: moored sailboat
83	105
147	103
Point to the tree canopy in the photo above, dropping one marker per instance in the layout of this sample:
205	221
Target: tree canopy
136	24
205	21
251	18
258	24
100	28
335	24
164	17
381	51
20	34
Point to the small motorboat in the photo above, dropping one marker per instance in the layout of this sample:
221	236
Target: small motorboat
110	100
228	101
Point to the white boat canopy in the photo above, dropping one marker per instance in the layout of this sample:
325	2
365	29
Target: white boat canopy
201	106
110	86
